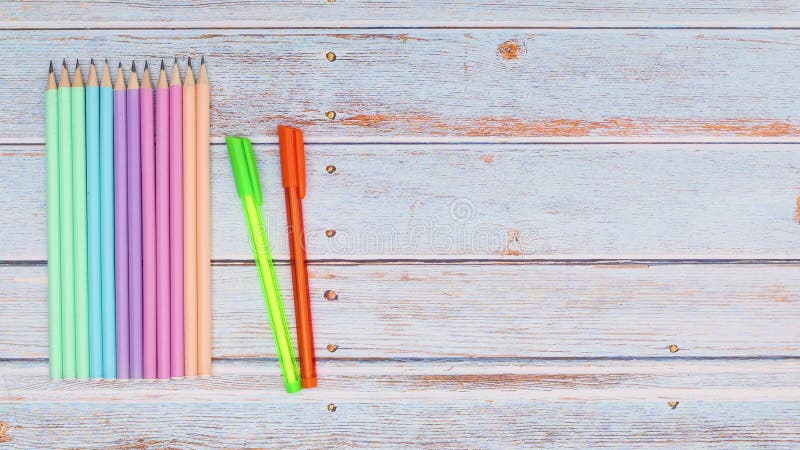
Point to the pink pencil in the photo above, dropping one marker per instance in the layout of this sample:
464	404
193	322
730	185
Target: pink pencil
162	226
176	220
148	159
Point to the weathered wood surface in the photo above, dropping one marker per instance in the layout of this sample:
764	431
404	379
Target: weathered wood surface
471	311
509	201
418	311
424	404
26	14
745	380
420	83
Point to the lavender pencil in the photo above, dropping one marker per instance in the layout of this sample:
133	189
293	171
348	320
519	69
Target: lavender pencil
121	225
134	225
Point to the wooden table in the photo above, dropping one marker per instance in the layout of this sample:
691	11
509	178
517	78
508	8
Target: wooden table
533	224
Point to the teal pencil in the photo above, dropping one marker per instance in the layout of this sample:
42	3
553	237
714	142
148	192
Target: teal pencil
108	283
66	214
53	226
79	205
93	223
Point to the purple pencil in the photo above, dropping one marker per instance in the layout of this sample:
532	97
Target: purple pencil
121	224
149	267
176	220
134	226
162	225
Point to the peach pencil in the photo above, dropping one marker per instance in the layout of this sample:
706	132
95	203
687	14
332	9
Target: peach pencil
203	223
189	223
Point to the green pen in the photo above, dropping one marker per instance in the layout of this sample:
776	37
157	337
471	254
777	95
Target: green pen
248	187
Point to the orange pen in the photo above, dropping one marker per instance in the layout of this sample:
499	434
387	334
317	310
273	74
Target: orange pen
293	172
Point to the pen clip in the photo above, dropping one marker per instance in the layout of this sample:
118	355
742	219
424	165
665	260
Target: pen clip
252	170
293	160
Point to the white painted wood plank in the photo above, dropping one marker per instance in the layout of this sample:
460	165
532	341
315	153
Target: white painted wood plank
480	82
478	201
23	14
443	404
743	380
467	310
391	411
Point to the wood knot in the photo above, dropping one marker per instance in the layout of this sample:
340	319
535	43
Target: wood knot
330	56
331	407
330	115
673	404
511	49
673	348
3	430
330	233
332	347
331	295
330	168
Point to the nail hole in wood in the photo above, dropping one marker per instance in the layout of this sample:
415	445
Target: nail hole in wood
330	169
673	348
332	347
331	295
330	115
330	56
331	407
673	404
330	233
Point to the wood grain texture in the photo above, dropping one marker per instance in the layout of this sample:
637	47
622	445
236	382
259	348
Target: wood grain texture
744	380
394	83
510	201
22	14
412	405
477	311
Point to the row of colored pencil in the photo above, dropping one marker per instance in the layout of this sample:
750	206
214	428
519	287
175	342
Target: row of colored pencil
128	219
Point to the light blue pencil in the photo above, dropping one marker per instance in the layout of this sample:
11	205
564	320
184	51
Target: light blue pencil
108	299
93	223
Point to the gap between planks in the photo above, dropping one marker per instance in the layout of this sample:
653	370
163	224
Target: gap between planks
621	263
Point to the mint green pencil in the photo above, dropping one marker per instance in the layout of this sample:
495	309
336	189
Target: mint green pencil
79	205
66	214
53	225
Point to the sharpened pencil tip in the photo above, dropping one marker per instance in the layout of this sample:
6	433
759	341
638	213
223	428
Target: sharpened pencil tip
51	66
189	61
145	65
91	61
77	63
133	66
202	60
162	64
64	62
120	65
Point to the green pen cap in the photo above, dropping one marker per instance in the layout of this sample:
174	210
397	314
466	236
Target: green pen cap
243	164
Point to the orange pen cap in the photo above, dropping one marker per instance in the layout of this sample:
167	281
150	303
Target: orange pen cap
293	159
